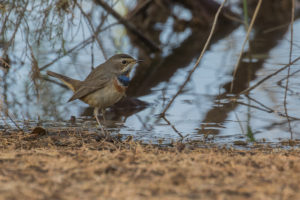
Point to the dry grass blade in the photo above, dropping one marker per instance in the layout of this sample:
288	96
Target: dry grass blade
289	68
245	41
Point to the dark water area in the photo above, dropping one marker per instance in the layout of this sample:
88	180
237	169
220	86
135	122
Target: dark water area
59	37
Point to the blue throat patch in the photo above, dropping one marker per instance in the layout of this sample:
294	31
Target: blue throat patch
124	80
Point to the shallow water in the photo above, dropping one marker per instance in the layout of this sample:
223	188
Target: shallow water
203	111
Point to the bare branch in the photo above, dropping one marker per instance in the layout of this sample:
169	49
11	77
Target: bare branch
131	27
198	60
268	77
92	29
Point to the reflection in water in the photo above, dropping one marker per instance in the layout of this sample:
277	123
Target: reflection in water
63	39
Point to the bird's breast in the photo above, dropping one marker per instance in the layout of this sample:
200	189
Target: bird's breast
119	86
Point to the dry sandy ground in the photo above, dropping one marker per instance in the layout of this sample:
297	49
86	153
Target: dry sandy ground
72	166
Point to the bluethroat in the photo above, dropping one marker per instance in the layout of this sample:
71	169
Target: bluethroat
104	86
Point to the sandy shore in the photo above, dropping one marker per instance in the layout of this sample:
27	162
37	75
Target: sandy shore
72	166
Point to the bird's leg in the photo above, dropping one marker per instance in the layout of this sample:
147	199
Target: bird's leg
96	110
103	114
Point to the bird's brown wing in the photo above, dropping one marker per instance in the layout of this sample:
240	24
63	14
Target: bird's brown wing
91	85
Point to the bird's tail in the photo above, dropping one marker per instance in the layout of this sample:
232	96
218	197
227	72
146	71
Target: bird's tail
73	84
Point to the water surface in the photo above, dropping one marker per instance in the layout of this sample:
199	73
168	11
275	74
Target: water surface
203	111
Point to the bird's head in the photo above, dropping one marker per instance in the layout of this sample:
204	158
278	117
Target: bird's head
122	63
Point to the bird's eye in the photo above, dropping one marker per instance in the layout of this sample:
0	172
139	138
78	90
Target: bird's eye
124	62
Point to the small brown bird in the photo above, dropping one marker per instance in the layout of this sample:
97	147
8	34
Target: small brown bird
104	86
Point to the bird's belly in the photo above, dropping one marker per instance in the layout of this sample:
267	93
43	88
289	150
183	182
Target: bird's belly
104	97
